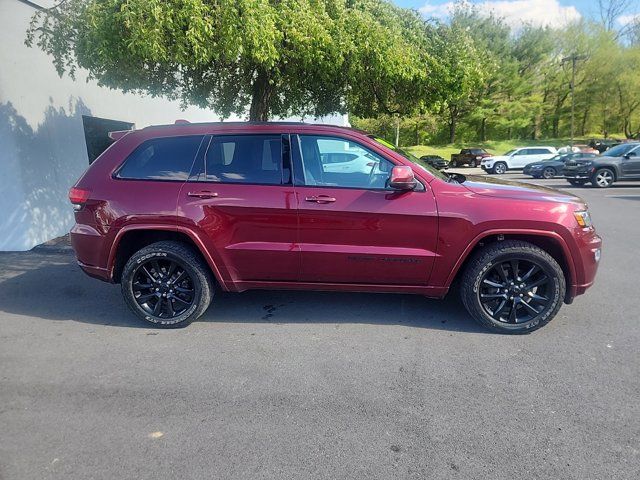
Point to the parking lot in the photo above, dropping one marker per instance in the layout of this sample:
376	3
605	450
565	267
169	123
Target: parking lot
277	384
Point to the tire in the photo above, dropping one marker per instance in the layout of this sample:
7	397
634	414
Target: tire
472	164
577	183
603	178
188	287
480	276
549	172
500	168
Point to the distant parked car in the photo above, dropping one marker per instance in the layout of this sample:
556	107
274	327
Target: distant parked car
577	148
517	159
553	167
469	156
618	163
435	161
602	145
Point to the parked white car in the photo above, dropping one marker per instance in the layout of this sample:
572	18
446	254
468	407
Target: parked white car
516	159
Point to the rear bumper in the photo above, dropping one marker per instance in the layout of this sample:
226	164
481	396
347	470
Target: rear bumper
89	245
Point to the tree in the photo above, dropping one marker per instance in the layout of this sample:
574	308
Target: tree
461	73
278	57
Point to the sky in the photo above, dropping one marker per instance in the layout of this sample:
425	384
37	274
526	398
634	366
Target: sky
553	13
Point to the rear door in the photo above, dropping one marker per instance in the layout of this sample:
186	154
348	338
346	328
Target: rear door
240	197
352	228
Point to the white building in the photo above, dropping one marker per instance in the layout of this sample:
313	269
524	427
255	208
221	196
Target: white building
43	149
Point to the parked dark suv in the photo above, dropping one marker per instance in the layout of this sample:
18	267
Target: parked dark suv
170	212
621	162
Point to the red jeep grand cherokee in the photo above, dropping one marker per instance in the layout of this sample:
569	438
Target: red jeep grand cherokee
171	211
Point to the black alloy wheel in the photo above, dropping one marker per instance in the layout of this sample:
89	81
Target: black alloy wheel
163	288
512	286
167	283
515	291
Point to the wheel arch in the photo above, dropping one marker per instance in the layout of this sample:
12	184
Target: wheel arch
550	242
614	168
132	238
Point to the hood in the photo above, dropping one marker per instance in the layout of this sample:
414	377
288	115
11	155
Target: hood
495	187
496	157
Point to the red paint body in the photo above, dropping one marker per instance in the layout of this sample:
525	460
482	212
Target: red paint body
272	236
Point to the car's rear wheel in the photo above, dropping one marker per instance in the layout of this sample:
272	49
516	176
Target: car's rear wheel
500	168
603	178
473	164
549	172
167	284
513	287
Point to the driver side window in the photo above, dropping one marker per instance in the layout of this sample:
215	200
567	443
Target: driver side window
337	162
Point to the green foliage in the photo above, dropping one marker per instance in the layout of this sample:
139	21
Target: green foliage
281	57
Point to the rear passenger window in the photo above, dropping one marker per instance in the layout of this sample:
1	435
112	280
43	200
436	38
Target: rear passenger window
245	159
168	158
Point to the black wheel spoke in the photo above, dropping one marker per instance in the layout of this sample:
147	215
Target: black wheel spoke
537	298
145	298
157	309
148	274
493	284
541	281
529	307
178	299
170	309
501	271
514	269
534	269
512	313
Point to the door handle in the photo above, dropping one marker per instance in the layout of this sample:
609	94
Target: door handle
203	194
320	199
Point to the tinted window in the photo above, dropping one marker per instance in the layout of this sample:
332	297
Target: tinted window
245	159
168	158
359	168
539	151
620	150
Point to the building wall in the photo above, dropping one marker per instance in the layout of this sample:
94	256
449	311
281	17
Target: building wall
42	145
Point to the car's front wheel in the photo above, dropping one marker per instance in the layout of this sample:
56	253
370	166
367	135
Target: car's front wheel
512	287
500	168
167	284
472	164
549	172
603	178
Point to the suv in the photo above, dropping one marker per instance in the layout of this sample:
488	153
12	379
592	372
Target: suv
517	159
468	156
621	162
553	167
170	212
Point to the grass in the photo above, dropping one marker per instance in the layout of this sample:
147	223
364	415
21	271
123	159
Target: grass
497	147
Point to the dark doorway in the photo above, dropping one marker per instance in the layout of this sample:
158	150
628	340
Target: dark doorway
96	134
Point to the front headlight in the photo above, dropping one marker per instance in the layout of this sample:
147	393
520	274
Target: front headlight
583	218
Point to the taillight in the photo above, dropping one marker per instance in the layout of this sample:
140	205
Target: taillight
78	197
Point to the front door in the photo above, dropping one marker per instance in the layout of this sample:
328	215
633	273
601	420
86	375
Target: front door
241	198
631	165
352	227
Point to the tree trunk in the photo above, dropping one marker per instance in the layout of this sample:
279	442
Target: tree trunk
397	144
585	116
483	130
452	124
261	98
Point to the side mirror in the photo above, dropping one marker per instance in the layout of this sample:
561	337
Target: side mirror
402	178
629	155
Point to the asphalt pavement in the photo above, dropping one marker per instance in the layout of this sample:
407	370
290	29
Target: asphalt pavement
278	385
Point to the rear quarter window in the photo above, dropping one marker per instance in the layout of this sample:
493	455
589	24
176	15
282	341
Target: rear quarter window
167	158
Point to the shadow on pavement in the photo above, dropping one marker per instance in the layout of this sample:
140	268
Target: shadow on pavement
52	287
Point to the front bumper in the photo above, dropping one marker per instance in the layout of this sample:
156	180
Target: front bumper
577	174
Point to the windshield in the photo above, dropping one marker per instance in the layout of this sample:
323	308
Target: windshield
412	158
510	152
620	150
